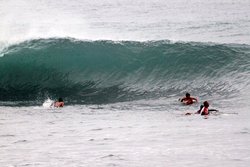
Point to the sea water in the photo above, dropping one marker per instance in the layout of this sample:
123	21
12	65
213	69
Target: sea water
121	67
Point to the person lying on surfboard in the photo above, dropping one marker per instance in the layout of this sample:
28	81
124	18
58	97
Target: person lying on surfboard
59	103
204	109
188	99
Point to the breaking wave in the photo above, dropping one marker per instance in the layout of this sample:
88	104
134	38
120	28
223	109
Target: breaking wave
84	72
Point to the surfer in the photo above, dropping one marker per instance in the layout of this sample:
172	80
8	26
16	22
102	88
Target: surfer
188	99
59	103
204	109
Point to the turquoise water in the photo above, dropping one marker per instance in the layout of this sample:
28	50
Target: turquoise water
123	50
107	71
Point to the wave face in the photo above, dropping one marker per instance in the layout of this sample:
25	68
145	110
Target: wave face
97	72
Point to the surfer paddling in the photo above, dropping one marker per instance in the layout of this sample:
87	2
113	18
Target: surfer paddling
59	103
203	109
188	99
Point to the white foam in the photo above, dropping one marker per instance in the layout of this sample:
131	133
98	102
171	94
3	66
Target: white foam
123	134
48	103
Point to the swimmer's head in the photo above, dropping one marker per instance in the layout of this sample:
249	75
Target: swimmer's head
206	104
60	99
187	95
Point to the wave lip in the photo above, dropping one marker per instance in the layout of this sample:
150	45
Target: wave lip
112	71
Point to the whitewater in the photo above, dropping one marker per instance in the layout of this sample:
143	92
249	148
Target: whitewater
121	67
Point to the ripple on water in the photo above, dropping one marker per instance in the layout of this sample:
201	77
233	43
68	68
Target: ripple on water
7	135
20	141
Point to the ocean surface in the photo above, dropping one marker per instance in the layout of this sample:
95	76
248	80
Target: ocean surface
121	66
